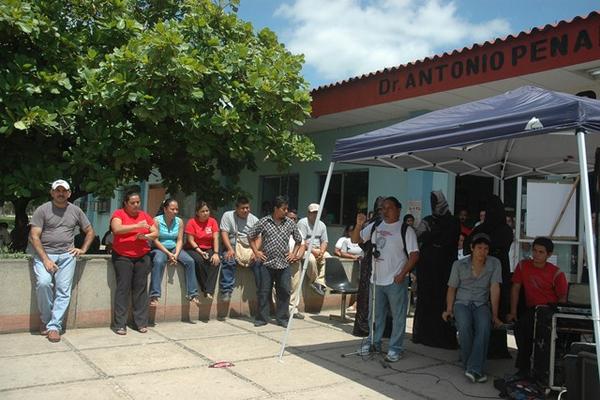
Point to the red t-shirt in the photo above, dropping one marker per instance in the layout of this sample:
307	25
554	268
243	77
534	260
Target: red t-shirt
542	285
202	231
127	244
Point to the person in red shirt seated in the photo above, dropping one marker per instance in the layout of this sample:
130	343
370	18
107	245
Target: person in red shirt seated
543	283
203	246
132	229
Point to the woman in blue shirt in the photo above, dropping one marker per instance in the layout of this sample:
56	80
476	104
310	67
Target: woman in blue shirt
167	250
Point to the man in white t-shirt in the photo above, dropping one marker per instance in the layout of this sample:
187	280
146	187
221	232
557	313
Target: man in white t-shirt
391	266
308	226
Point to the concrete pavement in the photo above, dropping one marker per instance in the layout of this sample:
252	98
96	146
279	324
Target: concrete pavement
171	362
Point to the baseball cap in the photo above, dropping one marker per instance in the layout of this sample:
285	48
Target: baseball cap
313	207
60	182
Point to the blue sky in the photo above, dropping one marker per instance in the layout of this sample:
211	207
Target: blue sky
346	38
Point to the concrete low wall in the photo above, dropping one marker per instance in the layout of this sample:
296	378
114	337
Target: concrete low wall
94	285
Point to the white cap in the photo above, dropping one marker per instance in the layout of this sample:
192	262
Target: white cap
313	207
60	182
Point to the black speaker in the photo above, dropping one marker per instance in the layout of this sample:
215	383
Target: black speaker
540	369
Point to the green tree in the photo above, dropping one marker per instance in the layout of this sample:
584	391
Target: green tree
101	92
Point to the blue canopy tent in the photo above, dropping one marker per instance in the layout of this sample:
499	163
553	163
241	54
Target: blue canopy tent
525	132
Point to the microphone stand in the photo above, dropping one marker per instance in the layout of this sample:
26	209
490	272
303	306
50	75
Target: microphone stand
374	256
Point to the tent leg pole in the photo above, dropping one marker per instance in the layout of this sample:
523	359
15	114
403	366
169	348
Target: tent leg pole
518	217
589	240
305	263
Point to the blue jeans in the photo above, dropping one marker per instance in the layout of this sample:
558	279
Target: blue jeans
394	298
265	278
159	261
227	274
474	324
54	290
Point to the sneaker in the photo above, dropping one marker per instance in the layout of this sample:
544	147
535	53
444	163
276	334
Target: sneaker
365	349
153	301
470	376
317	289
393	356
299	316
226	297
258	323
480	378
43	330
283	323
209	296
54	336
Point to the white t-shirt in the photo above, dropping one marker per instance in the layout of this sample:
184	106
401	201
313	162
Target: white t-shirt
345	244
388	238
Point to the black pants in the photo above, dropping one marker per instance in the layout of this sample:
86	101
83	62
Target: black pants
132	278
524	337
205	272
283	284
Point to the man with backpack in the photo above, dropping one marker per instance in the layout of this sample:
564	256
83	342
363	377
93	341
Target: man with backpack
395	254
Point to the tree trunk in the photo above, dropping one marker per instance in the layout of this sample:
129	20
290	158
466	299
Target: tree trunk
20	234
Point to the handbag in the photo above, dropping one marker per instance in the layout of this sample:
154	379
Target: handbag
243	252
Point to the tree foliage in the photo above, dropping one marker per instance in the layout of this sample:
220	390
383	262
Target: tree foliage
103	91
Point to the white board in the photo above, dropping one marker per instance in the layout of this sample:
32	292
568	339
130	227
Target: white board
545	201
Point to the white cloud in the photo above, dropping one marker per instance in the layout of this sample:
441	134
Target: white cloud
345	38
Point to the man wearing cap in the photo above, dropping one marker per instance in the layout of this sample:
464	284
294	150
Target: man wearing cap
474	283
318	254
52	234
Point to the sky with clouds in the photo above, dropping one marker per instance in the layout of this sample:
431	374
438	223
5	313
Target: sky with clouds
345	38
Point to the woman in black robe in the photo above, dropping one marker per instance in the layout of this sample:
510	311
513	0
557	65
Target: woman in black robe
438	237
361	320
501	239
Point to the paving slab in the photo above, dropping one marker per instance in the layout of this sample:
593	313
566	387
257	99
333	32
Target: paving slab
41	369
20	344
90	390
448	355
234	348
315	338
441	382
91	338
199	329
191	383
144	358
248	324
171	361
293	374
372	365
367	389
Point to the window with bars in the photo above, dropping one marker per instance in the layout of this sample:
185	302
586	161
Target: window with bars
348	193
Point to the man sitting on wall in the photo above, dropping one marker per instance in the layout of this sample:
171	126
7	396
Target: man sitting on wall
543	283
316	259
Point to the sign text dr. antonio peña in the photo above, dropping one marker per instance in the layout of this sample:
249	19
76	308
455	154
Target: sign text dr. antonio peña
568	43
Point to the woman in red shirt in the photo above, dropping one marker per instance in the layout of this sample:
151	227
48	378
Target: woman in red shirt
132	229
203	246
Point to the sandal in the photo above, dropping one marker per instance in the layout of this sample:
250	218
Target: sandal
121	331
195	299
143	329
154	301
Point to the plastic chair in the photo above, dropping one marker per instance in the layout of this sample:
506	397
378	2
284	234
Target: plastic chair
337	280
